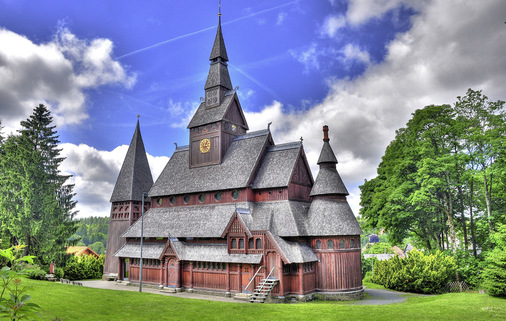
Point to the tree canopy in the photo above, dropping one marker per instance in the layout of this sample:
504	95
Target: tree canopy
443	175
36	202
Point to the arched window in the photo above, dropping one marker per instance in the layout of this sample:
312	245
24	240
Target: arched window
235	194
241	243
186	199
330	244
259	243
250	243
234	243
202	198
341	244
318	244
172	200
218	196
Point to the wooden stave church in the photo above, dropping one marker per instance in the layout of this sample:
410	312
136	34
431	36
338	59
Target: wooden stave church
233	206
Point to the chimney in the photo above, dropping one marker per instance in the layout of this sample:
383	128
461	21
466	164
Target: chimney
326	133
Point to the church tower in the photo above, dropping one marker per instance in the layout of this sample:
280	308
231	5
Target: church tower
334	230
219	117
134	179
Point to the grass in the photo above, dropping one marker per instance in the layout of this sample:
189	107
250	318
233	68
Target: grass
81	303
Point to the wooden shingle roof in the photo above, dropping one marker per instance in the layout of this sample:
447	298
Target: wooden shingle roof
211	253
331	217
135	176
328	182
133	250
277	166
184	221
236	170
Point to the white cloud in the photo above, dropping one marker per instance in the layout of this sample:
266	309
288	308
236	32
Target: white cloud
56	73
441	57
281	17
95	173
309	57
181	112
353	53
360	11
332	24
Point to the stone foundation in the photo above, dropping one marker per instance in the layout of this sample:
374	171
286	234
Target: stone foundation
318	296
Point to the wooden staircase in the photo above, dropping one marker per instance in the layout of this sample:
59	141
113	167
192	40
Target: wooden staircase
263	290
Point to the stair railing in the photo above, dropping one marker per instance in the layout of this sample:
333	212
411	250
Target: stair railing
253	278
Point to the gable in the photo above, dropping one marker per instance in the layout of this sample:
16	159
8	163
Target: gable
302	174
236	226
234	113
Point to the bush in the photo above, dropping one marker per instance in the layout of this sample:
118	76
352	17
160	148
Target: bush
378	248
366	265
35	272
418	273
494	273
84	267
469	268
58	272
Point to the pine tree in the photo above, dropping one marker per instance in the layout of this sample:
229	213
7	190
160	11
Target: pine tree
36	205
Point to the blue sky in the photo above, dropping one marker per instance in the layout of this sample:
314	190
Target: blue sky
361	67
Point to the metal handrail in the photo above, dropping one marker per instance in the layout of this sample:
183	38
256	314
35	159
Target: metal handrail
270	272
265	280
253	278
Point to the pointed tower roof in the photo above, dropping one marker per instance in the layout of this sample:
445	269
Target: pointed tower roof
328	181
218	71
219	50
327	154
135	176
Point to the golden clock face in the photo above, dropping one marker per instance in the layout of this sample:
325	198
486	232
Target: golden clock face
205	145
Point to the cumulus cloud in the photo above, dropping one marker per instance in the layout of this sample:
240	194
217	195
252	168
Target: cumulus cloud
332	24
352	52
94	173
441	57
360	11
310	56
56	73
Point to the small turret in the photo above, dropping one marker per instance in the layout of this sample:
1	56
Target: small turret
328	181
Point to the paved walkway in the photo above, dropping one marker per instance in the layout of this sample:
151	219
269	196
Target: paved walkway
381	297
110	285
375	296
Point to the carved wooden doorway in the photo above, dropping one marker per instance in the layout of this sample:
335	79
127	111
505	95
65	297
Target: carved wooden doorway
246	275
172	273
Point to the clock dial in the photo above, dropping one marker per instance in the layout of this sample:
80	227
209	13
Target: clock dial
205	145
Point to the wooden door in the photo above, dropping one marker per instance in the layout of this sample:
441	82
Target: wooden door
172	273
272	260
247	274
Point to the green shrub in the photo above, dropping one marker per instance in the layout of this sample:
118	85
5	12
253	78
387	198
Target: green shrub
494	273
58	272
84	267
418	273
35	272
378	248
469	268
366	265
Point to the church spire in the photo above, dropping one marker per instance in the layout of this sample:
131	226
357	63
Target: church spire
219	50
328	181
135	176
218	80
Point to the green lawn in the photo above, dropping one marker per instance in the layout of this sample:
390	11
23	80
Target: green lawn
69	302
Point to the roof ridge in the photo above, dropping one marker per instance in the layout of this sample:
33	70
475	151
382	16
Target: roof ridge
254	134
284	146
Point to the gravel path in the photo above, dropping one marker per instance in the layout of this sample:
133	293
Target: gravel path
375	296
